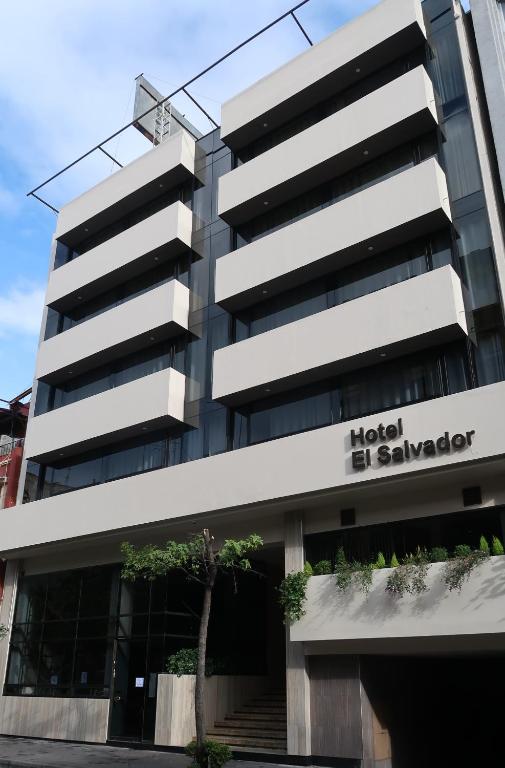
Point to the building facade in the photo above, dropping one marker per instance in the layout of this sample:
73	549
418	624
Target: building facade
291	326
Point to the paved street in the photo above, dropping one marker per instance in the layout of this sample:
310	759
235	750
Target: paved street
26	753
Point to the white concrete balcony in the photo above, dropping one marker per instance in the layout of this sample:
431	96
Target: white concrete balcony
353	51
139	407
269	477
391	115
383	216
153	316
351	622
150	243
167	165
403	318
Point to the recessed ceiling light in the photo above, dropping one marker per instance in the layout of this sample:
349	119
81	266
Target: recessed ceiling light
264	292
370	247
152	338
366	152
267	389
86	229
144	429
69	371
358	70
156	258
161	185
266	202
265	125
61	454
383	354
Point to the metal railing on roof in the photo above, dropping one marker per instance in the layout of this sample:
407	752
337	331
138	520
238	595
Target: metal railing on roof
182	89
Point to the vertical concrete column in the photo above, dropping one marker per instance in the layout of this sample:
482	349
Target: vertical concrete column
6	617
297	679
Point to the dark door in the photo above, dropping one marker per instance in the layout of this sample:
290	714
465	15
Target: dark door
133	689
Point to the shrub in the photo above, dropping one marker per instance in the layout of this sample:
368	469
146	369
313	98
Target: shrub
459	568
343	571
381	561
185	662
438	555
212	754
462	550
293	593
363	573
410	576
497	546
484	545
323	568
394	561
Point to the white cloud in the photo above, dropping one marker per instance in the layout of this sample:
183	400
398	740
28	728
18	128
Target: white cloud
73	88
21	310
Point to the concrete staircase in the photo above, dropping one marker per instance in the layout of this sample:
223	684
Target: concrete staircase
258	725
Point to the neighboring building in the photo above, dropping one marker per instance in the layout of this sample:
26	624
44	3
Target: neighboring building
488	17
13	418
233	326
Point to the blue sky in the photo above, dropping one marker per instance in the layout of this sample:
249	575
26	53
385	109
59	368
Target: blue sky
66	82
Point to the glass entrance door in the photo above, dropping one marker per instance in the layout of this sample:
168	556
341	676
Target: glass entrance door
133	713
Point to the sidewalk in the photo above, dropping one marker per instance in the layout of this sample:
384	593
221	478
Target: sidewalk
27	753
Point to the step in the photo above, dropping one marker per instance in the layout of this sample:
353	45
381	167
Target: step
277	745
251	724
256	716
248	732
254	708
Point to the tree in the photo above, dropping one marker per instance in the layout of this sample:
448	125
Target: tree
202	562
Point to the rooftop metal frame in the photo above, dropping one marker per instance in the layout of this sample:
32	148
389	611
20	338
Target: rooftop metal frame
182	89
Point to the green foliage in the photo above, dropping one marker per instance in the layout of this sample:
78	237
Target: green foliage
343	570
394	561
185	662
497	546
462	550
211	755
355	572
151	561
3	631
363	574
293	593
307	569
322	568
233	553
381	561
458	568
410	576
438	555
484	545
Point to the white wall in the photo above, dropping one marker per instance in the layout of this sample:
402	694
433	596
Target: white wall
384	215
163	309
177	154
311	463
332	54
411	315
108	263
336	615
400	110
102	418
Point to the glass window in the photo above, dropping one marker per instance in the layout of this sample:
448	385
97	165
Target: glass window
489	358
477	259
462	165
48	653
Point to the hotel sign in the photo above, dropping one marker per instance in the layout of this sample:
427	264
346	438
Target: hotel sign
371	446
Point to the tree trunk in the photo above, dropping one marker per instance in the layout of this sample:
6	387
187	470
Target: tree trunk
202	643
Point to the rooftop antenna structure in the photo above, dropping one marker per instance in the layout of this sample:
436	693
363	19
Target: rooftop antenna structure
163	121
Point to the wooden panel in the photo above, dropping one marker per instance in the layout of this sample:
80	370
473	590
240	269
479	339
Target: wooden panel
55	718
175	711
335	704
